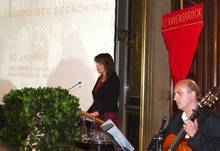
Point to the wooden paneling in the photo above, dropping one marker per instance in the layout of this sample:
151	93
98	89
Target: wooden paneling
135	47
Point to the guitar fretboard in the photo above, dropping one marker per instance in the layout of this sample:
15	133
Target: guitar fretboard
182	132
178	139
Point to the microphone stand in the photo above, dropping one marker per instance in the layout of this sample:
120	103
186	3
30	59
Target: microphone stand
157	141
160	139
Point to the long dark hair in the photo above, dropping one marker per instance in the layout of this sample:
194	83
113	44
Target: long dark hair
107	61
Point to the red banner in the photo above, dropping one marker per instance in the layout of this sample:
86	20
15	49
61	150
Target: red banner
181	31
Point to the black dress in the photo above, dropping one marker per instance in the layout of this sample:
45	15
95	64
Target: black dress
105	100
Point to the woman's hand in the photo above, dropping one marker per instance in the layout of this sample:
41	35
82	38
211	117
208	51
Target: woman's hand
96	113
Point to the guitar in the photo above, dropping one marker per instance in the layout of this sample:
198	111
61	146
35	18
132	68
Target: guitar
177	142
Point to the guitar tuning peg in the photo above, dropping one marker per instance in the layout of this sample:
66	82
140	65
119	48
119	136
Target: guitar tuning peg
213	102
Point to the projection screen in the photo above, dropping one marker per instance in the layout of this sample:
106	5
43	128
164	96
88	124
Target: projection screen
53	43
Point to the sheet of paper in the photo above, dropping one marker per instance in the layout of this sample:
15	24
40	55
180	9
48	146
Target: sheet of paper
122	141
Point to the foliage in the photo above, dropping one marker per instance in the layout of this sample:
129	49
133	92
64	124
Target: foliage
46	119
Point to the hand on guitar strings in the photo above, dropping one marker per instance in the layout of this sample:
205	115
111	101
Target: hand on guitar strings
190	127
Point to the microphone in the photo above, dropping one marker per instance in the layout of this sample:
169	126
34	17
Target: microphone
74	85
164	119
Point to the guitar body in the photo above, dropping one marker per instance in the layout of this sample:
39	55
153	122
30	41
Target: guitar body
183	146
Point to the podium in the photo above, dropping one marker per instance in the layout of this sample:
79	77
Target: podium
106	137
93	138
97	140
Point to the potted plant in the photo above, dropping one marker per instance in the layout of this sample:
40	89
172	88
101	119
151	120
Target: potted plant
43	119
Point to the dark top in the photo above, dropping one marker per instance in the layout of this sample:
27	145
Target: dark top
207	138
106	96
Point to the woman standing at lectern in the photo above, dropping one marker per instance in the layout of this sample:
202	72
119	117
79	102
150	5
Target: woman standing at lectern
106	90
